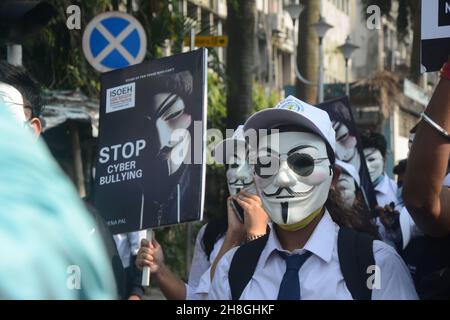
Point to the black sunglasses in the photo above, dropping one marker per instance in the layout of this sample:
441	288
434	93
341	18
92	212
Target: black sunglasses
301	163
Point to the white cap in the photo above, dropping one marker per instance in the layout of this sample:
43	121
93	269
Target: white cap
292	111
349	169
230	146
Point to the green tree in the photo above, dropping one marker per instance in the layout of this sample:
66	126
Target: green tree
308	52
60	63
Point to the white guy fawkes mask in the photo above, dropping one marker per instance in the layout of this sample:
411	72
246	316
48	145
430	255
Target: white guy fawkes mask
239	176
13	100
172	123
346	185
293	177
346	149
375	163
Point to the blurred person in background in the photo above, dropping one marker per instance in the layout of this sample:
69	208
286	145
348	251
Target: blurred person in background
21	96
375	147
49	249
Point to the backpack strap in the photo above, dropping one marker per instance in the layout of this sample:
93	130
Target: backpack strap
243	265
355	251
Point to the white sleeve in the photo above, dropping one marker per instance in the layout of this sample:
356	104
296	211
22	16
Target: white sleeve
392	280
408	227
195	294
200	263
447	180
220	288
121	241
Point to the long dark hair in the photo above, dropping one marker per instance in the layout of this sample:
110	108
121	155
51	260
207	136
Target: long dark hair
214	230
355	217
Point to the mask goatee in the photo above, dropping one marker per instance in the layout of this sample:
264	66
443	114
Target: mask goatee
285	211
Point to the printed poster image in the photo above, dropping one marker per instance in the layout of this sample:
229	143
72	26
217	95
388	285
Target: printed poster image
435	27
150	168
348	143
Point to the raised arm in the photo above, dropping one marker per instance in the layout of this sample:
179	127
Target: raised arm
426	199
255	224
151	254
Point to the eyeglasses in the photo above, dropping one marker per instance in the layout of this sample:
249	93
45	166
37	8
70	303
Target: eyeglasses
301	163
7	100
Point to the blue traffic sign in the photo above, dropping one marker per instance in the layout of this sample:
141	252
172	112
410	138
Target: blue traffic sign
114	40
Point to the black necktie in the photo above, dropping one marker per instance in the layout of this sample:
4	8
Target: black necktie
290	285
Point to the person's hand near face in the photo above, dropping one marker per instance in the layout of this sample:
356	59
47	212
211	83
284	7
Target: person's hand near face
236	229
256	218
255	224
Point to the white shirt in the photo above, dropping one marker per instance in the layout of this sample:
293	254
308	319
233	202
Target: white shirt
408	227
386	191
128	244
199	281
320	276
447	180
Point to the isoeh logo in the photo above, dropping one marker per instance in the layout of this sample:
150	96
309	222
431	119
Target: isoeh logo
126	90
444	13
120	98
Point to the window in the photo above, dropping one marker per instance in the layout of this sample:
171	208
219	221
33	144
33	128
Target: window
342	5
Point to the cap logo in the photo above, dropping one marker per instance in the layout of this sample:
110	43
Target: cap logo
291	105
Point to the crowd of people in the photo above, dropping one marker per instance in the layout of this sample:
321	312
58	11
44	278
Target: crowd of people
296	232
297	224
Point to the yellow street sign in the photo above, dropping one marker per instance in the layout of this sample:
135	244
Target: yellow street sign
208	41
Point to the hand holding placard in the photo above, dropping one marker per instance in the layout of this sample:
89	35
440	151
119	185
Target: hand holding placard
146	270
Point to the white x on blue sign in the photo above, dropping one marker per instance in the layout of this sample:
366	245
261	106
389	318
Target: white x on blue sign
114	40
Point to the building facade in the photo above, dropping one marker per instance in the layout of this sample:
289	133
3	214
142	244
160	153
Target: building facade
380	50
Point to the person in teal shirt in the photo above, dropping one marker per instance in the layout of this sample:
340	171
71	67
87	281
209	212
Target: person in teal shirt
49	249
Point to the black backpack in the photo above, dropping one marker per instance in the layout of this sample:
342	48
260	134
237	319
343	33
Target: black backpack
355	252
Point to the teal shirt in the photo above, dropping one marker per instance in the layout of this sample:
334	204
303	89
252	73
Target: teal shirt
48	249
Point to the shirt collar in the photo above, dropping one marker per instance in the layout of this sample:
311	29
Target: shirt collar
321	242
382	187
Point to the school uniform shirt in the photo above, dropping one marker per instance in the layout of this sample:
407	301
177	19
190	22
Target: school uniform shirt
386	191
320	276
128	245
408	227
199	281
447	181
